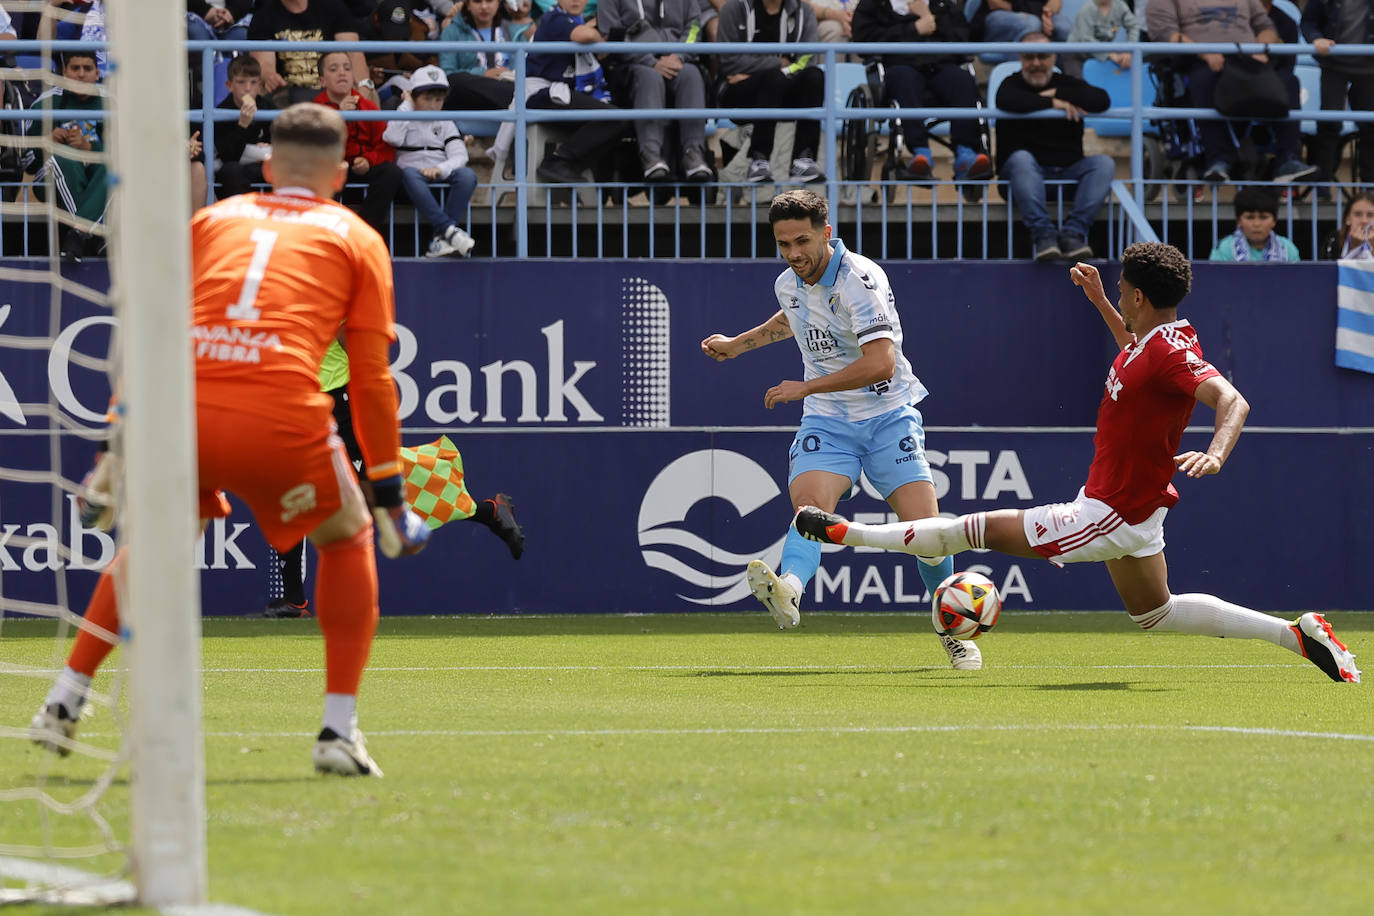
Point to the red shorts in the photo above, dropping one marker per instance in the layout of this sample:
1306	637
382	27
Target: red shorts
292	477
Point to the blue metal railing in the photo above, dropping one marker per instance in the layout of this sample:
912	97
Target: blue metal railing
1128	200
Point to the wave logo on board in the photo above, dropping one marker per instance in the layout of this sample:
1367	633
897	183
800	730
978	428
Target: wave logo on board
716	575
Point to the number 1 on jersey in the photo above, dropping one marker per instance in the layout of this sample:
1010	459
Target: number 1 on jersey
243	310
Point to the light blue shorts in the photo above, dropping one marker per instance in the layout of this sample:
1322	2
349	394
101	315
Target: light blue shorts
890	449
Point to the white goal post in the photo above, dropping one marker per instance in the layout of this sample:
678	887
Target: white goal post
160	603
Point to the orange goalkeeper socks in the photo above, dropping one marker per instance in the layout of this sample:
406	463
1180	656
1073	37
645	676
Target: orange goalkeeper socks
90	649
346	606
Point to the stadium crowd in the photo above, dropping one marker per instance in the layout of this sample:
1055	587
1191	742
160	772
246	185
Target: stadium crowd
401	162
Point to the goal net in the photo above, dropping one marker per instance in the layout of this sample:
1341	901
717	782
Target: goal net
121	816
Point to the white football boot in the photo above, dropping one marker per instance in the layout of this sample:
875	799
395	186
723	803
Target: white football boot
781	599
963	654
51	723
1321	647
343	756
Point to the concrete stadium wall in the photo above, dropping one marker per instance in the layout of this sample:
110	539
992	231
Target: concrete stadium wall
647	476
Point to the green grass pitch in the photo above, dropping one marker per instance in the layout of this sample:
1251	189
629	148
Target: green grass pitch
712	764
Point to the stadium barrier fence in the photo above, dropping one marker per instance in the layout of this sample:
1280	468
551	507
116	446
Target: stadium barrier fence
1176	222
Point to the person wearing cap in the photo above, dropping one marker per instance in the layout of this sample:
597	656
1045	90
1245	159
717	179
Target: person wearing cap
393	20
434	151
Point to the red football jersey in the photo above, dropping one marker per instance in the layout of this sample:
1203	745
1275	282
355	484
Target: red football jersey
1145	408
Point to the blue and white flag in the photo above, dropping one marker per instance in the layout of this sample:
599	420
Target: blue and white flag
1355	316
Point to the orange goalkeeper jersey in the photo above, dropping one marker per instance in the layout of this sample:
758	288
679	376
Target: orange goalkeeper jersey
274	277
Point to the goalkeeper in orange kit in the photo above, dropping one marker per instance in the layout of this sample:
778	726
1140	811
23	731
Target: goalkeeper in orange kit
274	276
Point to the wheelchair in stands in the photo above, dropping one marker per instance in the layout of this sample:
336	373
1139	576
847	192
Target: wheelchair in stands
863	140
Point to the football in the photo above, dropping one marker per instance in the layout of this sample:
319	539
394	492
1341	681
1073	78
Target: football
966	606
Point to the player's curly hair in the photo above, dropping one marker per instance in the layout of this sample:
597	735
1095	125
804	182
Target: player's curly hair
1160	271
799	203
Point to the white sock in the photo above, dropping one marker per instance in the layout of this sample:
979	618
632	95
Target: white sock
70	690
341	713
1207	615
926	537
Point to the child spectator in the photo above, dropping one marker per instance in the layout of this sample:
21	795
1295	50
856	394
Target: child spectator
370	160
434	151
1255	238
1352	241
242	145
1102	21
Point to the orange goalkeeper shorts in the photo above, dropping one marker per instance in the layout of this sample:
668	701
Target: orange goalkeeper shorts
291	477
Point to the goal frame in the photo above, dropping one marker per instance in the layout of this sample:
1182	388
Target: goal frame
160	594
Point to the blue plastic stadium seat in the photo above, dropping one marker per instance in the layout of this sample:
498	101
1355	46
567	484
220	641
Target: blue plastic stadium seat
1000	72
479	128
1104	75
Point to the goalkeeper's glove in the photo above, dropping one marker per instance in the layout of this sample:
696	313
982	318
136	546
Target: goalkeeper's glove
400	532
96	502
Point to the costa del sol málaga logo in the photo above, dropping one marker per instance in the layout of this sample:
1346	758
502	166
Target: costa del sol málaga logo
716	575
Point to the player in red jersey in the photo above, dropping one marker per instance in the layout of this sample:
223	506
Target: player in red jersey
274	277
1118	516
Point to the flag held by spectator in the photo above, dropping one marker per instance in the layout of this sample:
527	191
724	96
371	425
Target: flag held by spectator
434	482
1355	316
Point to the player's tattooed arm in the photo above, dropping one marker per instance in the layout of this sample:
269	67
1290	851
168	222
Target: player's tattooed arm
720	348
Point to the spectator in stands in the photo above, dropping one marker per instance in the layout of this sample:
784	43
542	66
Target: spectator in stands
293	76
588	12
429	151
834	20
50	27
1103	21
1032	150
393	20
208	20
480	80
1326	23
242	145
653	80
1255	239
1230	21
1352	240
7	32
1013	20
908	79
571	81
370	160
770	81
200	183
81	186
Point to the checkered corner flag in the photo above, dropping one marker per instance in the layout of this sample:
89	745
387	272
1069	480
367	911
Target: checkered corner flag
1355	315
434	482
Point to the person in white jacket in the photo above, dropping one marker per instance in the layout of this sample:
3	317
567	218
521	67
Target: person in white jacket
429	151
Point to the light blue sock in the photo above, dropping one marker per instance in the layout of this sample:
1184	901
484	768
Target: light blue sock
932	576
802	558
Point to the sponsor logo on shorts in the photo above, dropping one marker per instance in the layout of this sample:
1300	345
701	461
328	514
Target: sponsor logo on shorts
297	500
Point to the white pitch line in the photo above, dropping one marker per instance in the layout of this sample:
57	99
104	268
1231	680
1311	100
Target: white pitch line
807	730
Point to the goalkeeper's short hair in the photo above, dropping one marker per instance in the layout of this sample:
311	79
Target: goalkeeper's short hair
310	126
